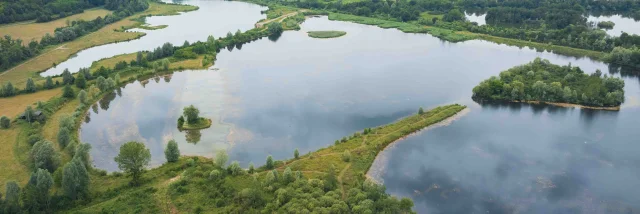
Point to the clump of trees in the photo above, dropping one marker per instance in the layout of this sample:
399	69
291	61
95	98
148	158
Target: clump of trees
606	24
191	113
172	153
542	81
627	57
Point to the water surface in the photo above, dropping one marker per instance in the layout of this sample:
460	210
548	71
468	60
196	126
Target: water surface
622	24
272	97
214	17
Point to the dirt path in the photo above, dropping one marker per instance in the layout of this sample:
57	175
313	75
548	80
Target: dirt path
279	19
344	194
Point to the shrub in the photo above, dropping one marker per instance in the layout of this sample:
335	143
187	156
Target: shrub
346	156
296	154
269	164
172	153
44	156
5	122
235	169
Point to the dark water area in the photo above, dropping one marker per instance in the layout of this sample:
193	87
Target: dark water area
214	17
272	97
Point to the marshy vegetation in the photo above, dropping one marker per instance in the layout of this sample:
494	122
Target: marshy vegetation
326	34
541	81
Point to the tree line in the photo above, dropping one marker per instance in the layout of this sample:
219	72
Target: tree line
48	10
542	81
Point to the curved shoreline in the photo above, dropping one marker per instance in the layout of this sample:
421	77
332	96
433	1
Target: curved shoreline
379	163
571	105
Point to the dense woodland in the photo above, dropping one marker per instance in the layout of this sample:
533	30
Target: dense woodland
542	81
14	51
42	10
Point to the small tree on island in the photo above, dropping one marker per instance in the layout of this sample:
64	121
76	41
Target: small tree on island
191	113
133	158
172	153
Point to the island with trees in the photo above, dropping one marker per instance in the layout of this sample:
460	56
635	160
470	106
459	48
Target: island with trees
190	119
541	81
606	24
326	34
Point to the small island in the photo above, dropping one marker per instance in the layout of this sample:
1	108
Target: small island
543	82
606	24
193	120
326	34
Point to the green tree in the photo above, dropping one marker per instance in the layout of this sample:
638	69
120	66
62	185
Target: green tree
221	158
172	153
48	84
29	114
82	154
139	58
191	113
82	96
296	154
288	176
5	122
269	163
36	196
275	28
67	77
81	82
251	168
8	90
75	180
235	169
102	84
64	137
31	86
68	92
346	156
453	15
330	179
44	156
420	111
133	158
12	198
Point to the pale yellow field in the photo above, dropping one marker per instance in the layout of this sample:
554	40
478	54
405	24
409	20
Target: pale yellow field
12	170
32	30
111	62
13	106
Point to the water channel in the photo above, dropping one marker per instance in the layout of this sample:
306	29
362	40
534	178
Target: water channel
272	97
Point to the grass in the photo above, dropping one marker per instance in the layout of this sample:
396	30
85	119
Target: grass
277	11
12	106
111	33
146	27
563	50
11	169
31	30
326	34
202	123
112	61
429	16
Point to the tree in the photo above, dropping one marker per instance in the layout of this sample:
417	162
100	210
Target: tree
330	179
133	158
191	113
48	84
36	196
31	86
8	90
64	137
67	77
12	198
453	15
346	156
82	96
5	122
139	58
269	164
82	154
67	92
221	158
420	111
81	81
296	154
287	176
251	168
172	153
44	156
102	84
235	169
75	180
29	114
275	28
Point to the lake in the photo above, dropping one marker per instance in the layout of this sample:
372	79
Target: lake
272	97
215	18
622	24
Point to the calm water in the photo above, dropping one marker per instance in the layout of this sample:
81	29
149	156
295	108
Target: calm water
299	92
622	24
476	17
215	18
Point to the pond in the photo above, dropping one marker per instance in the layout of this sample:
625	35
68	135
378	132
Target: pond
272	97
215	18
478	17
622	24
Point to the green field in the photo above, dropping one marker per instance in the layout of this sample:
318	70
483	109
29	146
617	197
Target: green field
326	34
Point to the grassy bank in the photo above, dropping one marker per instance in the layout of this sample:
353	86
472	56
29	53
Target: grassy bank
562	50
202	123
326	34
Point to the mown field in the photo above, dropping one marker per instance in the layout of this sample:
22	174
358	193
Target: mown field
31	30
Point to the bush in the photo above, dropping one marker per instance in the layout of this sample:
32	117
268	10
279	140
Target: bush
214	175
296	154
346	156
235	169
44	156
172	153
67	92
269	164
5	122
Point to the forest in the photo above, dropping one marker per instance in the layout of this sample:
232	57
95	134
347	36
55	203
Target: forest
542	81
14	51
43	10
549	22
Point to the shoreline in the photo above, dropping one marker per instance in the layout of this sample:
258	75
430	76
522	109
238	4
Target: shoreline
379	163
570	105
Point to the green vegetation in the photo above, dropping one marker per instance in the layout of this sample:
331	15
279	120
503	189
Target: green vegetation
172	153
326	34
542	81
606	24
193	121
626	57
133	158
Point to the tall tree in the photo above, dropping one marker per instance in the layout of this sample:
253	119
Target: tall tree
191	113
172	153
75	180
133	158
